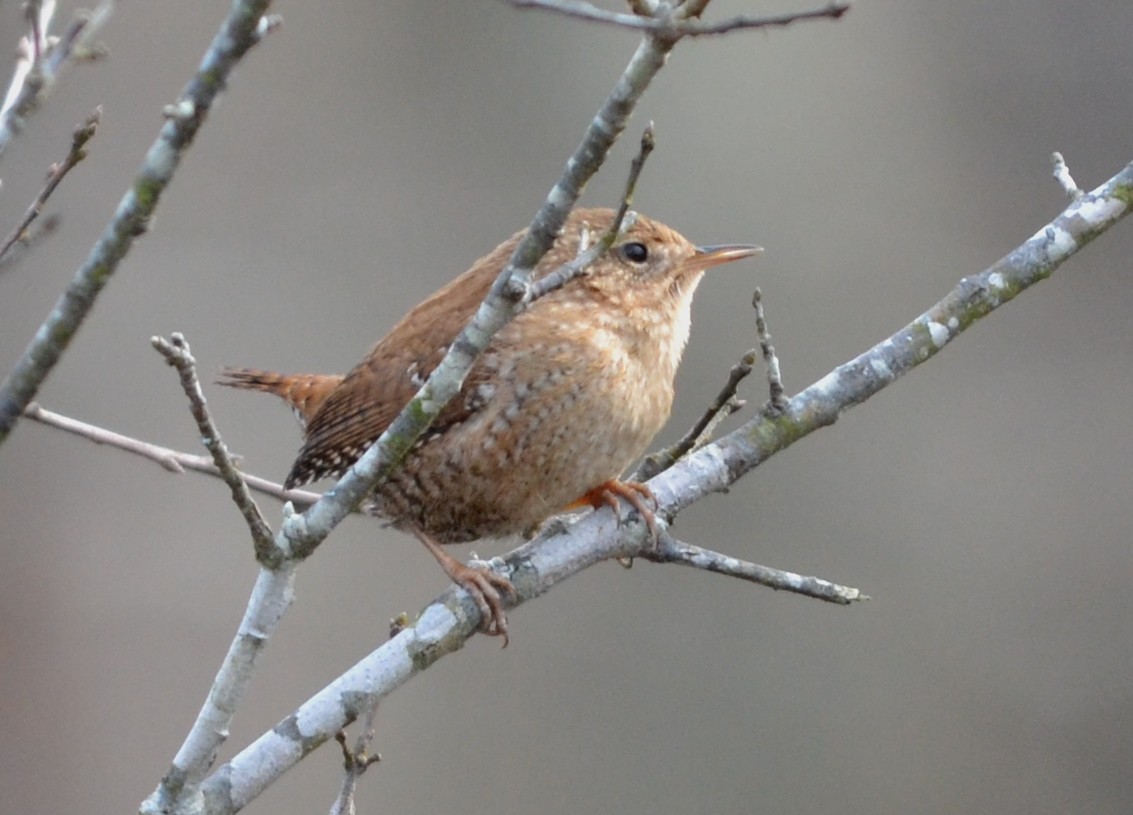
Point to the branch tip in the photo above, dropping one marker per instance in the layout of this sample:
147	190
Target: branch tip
1061	173
777	402
177	353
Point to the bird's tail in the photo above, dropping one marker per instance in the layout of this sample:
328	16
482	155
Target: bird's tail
304	393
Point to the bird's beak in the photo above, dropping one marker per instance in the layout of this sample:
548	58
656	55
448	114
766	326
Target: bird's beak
709	256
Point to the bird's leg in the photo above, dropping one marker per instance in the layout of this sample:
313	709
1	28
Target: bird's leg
484	585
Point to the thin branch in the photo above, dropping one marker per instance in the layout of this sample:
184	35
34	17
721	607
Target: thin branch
32	238
671	550
239	32
83	134
359	759
444	626
588	254
41	64
355	761
177	353
673	27
776	403
723	405
175	461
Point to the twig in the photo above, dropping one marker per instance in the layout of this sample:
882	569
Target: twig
725	403
676	28
559	277
777	403
359	759
83	134
239	32
671	550
355	761
40	65
177	353
444	626
1062	175
175	461
45	229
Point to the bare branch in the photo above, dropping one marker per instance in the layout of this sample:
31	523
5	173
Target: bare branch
42	60
238	33
177	353
776	402
359	759
83	134
671	550
175	461
356	761
725	403
673	27
32	238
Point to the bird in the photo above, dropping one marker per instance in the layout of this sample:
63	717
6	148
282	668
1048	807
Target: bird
565	397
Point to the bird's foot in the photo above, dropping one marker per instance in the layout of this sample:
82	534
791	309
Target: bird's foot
637	495
487	588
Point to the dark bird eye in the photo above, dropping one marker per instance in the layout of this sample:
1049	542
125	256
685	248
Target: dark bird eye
635	252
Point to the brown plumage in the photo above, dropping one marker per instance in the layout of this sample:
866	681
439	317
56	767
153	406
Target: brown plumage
566	396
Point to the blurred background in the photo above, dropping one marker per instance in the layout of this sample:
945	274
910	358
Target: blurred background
365	154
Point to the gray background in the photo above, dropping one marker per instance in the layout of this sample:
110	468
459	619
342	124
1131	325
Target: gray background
366	154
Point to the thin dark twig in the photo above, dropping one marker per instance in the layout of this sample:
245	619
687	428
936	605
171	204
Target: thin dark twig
176	352
568	271
673	27
32	238
648	142
83	134
723	405
778	401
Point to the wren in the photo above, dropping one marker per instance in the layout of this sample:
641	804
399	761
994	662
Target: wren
565	397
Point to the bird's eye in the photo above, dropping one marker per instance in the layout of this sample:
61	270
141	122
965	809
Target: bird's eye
634	252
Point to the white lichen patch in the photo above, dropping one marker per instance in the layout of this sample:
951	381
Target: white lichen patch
881	368
939	333
1099	210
